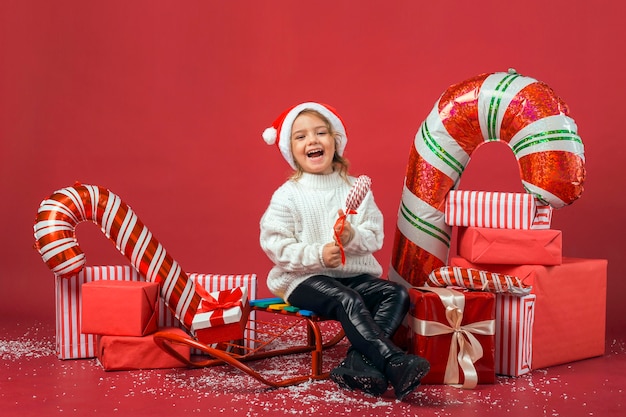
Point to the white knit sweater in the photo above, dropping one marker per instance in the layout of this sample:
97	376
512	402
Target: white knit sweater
299	222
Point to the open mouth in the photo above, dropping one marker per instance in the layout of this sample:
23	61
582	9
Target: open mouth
315	153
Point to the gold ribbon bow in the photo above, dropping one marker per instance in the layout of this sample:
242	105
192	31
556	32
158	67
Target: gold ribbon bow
465	349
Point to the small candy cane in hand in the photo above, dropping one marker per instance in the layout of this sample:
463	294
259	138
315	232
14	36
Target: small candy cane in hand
356	195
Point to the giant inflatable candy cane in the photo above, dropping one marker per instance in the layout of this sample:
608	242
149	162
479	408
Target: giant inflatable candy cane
55	225
508	107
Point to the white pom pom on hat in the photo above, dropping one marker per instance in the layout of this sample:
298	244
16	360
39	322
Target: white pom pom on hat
269	135
280	131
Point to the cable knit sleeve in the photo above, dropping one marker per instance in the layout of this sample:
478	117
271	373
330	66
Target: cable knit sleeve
279	239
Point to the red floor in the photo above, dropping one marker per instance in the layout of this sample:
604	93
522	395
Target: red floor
33	382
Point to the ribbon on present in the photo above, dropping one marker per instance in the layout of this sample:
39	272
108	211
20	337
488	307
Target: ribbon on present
465	349
219	302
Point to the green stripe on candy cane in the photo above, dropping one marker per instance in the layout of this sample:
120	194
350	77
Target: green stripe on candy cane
424	226
546	137
494	105
439	151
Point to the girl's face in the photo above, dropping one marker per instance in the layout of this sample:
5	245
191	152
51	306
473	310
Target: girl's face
312	145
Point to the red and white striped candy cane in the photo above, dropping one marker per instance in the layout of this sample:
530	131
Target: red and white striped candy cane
357	193
56	241
520	111
474	279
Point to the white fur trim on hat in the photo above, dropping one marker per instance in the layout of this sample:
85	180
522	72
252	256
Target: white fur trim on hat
282	133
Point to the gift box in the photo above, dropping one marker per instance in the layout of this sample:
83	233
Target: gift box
217	282
514	334
510	246
71	343
455	331
489	209
221	316
116	353
543	217
570	308
120	308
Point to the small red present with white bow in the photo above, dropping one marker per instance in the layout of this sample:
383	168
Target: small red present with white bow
454	329
221	316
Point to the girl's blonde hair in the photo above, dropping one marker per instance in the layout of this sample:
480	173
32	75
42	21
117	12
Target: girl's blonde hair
339	162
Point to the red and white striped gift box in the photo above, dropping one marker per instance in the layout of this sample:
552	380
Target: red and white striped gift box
514	334
72	344
498	210
543	217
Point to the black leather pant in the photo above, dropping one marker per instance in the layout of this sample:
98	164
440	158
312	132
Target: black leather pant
369	309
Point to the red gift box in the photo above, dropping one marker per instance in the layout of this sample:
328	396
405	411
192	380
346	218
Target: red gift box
72	344
570	309
120	308
514	334
117	353
221	316
489	209
510	246
454	330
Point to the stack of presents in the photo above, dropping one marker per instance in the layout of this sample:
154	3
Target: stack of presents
112	313
536	309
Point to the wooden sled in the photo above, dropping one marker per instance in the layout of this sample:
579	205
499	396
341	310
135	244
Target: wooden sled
271	338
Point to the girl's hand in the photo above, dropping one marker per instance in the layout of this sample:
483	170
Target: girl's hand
347	234
331	255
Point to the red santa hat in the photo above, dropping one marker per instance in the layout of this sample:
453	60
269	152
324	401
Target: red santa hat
280	131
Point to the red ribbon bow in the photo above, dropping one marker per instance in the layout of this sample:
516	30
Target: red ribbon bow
224	300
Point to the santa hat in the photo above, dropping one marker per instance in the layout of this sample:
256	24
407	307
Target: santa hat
280	132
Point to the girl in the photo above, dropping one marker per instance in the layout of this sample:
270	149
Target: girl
297	234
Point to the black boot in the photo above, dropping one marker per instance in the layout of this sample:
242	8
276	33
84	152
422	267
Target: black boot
356	372
405	373
389	303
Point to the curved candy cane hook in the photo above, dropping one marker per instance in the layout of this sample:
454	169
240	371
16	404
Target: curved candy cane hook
55	236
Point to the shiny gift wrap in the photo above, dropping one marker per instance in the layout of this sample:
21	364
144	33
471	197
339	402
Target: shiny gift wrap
522	112
455	331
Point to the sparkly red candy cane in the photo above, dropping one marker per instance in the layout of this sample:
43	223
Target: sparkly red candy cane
356	195
510	108
55	236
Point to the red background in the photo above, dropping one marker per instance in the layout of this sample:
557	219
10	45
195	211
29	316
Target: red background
164	104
